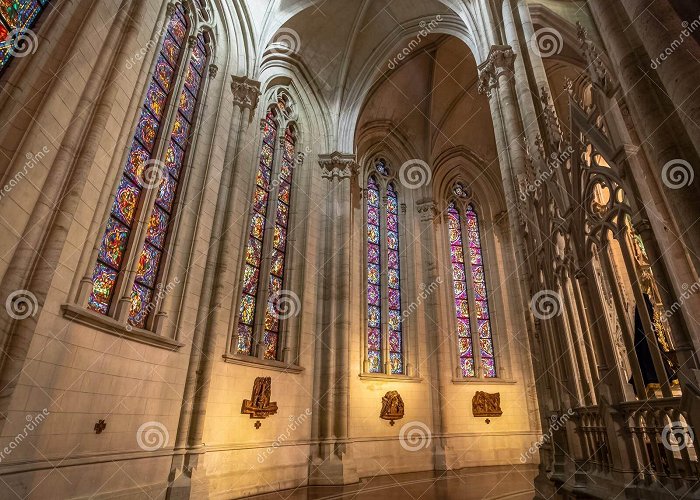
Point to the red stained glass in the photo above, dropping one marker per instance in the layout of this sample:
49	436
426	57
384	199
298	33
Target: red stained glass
170	49
148	266
251	276
136	162
373	253
270	340
257	226
280	240
253	251
277	263
374	339
125	201
177	29
373	295
284	192
282	215
19	13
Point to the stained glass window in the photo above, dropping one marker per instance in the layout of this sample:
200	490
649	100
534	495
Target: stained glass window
384	320
374	285
277	265
393	280
16	19
151	257
254	246
480	296
481	320
143	171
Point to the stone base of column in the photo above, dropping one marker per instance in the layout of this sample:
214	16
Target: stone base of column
187	480
333	465
440	457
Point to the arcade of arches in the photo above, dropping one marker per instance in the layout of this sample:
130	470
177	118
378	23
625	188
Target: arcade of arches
333	249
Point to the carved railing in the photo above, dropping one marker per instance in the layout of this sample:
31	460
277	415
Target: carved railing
593	439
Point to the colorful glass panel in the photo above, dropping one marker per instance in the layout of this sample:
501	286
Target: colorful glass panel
128	196
16	17
277	265
394	281
374	311
162	214
253	251
488	364
459	283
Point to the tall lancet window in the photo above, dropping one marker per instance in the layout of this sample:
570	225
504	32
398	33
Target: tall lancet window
384	322
469	286
263	303
152	174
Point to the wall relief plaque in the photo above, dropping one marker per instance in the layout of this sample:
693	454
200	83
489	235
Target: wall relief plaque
392	407
486	405
259	405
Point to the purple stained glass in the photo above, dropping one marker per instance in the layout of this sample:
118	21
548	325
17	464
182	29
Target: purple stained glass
163	73
113	243
192	81
467	364
373	253
173	159
148	266
373	215
480	293
170	49
393	278
140	305
373	274
373	357
373	316
136	162
374	342
199	58
180	130
392	222
270	340
282	215
394	299
177	29
394	281
103	279
155	100
392	240
157	227
186	105
251	279
125	201
373	295
280	239
147	129
166	193
381	168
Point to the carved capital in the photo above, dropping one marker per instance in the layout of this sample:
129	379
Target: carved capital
338	165
213	70
246	92
500	62
427	210
191	41
596	69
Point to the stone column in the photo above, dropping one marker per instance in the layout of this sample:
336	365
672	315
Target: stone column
331	460
674	54
664	141
218	279
429	217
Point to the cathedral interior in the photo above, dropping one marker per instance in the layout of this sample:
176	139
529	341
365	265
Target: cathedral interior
328	249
